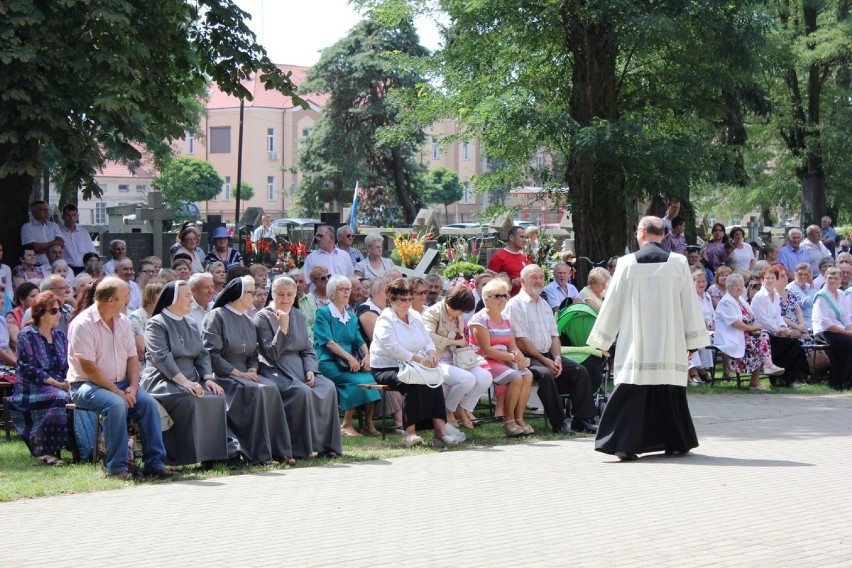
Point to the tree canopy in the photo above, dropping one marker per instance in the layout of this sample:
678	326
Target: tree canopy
187	180
443	187
82	82
358	72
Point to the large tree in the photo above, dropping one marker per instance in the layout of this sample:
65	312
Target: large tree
82	82
187	180
358	72
443	187
628	96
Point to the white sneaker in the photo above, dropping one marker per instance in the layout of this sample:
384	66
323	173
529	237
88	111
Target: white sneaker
454	432
445	442
773	370
412	440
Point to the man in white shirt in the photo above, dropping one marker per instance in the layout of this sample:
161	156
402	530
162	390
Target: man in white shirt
265	231
40	232
335	260
118	250
814	247
124	270
560	289
77	241
201	286
535	330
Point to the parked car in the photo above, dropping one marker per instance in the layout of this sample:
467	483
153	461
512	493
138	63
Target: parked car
467	229
300	225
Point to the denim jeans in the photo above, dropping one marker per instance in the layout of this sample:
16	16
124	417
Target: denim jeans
89	396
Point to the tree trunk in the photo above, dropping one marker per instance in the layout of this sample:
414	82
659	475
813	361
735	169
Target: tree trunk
602	216
402	193
813	199
16	190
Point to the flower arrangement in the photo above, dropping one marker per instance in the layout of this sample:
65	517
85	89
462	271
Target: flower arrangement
256	252
290	254
460	250
409	249
464	270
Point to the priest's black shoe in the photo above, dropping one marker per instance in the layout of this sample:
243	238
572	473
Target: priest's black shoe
565	430
626	457
586	426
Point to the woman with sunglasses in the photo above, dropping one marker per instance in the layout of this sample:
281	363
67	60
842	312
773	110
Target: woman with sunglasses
400	337
319	278
420	291
40	394
492	335
255	412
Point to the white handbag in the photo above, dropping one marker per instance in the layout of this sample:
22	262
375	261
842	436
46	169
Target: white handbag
412	373
465	357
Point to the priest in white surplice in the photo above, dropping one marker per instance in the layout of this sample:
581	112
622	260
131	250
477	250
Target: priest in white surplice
652	307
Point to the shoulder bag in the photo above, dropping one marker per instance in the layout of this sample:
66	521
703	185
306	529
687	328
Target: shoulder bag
412	373
465	357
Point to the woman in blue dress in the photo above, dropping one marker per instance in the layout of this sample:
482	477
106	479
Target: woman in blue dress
337	340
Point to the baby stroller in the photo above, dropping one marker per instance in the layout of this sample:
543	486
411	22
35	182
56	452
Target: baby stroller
574	323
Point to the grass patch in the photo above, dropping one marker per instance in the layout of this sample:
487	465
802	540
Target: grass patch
23	477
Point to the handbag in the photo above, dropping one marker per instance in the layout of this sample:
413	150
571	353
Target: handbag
412	373
465	357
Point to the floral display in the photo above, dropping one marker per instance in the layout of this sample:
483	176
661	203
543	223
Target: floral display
409	249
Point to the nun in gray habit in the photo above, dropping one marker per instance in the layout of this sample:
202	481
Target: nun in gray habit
255	413
179	376
287	358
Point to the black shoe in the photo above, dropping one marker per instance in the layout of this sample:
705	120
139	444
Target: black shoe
626	457
162	473
586	426
565	430
676	452
122	475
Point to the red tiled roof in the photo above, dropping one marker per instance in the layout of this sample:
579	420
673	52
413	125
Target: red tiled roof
267	99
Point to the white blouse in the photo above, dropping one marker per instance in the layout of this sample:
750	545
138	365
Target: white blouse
767	310
396	342
824	315
730	340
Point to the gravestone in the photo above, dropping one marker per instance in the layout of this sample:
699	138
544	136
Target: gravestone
139	245
503	222
251	217
426	222
429	260
155	213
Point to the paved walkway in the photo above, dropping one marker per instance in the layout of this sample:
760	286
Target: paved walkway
770	485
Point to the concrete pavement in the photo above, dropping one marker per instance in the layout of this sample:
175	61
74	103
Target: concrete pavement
769	486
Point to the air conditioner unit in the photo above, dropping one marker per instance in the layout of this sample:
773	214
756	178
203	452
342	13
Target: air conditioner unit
273	155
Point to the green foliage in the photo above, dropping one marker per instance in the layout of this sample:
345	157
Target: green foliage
246	191
359	71
443	186
187	180
467	269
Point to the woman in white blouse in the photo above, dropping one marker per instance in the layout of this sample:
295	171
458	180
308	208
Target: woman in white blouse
833	324
703	358
783	341
742	257
399	337
738	336
374	265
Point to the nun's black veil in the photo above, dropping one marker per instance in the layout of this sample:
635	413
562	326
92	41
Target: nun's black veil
233	291
167	296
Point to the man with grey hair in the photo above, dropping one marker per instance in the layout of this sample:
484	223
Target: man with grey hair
828	234
436	288
118	250
201	286
345	237
792	253
560	289
332	258
652	307
304	302
124	270
814	247
81	282
824	264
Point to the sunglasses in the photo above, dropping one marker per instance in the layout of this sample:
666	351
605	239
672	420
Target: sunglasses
500	296
322	278
421	293
407	300
53	311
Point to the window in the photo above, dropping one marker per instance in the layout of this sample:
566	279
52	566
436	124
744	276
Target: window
220	140
436	150
141	188
123	188
466	151
190	143
226	189
270	140
306	132
467	198
100	213
270	188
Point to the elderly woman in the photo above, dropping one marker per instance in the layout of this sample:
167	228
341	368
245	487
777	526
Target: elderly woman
190	238
719	286
462	386
222	250
803	289
180	377
492	335
140	316
703	358
287	359
790	308
255	412
319	279
374	265
220	277
367	314
420	290
593	293
740	338
182	268
742	255
25	294
60	267
338	342
783	340
40	394
400	337
833	325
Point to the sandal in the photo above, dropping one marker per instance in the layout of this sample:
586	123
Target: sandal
370	431
349	432
52	460
511	429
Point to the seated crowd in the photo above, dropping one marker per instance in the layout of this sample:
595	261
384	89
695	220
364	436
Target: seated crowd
218	362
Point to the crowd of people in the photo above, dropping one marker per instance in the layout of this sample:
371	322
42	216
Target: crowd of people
220	362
